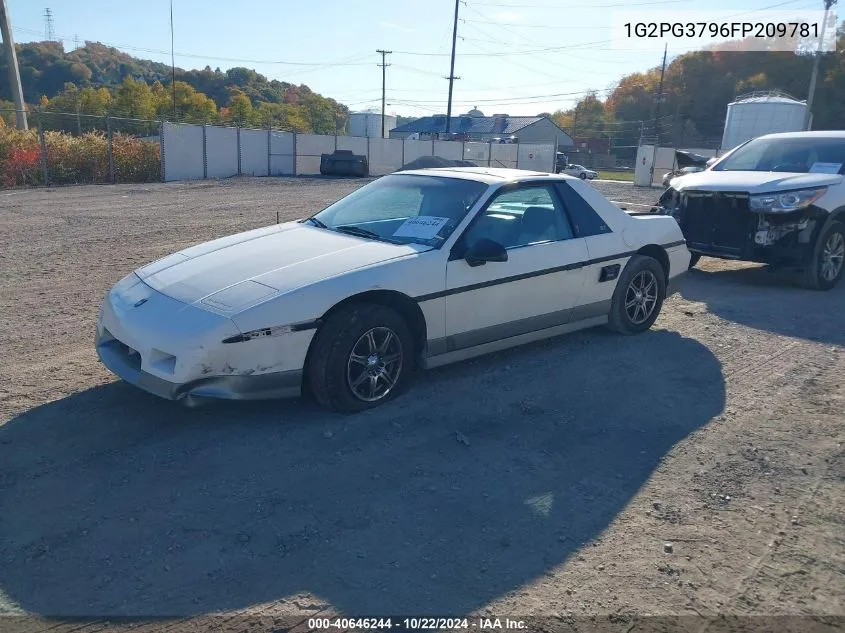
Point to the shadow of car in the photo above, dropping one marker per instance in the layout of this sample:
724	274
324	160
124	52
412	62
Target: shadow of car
488	475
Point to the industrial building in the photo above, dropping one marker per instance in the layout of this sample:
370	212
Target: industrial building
474	126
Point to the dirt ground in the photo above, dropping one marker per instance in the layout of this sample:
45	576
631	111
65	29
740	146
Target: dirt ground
694	470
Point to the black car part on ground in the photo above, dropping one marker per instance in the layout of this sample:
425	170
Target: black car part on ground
344	163
721	224
435	162
684	158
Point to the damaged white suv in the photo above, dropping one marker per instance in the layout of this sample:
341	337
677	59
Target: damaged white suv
778	199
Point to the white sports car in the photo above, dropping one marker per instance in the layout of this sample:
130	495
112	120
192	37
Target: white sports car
418	268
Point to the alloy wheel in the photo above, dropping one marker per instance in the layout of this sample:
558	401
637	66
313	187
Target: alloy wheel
832	256
375	364
641	297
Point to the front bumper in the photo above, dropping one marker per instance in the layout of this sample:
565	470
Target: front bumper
121	361
174	350
721	225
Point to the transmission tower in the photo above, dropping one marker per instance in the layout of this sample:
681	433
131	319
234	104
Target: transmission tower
49	33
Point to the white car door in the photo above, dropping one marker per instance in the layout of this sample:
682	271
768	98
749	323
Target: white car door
536	288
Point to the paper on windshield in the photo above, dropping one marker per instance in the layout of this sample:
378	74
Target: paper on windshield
422	227
825	168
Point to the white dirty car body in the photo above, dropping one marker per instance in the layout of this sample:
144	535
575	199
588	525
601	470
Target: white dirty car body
419	268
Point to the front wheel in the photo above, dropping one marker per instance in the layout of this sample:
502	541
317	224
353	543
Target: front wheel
825	268
638	296
583	175
360	358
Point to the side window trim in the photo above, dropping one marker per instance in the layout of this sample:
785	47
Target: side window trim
459	248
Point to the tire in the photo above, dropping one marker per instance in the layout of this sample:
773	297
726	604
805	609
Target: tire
583	175
826	266
694	260
331	372
640	272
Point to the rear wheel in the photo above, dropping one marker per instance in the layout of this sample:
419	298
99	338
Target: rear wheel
638	296
826	267
583	175
361	357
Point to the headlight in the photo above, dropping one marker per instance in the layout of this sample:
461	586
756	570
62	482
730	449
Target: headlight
786	201
125	284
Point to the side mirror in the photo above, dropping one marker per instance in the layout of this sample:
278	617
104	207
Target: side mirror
485	250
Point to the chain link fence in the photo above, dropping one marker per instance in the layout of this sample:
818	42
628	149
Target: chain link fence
64	148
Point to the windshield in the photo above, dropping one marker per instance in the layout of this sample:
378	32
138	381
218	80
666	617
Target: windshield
404	209
795	155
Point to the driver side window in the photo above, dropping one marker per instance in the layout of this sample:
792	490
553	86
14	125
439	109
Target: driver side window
521	217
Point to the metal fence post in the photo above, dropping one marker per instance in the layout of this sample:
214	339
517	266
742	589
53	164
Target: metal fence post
403	152
204	153
238	128
489	153
335	141
269	144
293	169
517	155
44	173
161	149
111	149
369	161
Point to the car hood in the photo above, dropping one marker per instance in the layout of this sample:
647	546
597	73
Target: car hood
235	272
752	181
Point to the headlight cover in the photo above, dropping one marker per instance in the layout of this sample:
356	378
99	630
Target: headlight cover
784	202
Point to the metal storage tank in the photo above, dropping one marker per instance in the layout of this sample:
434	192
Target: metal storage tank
369	124
758	113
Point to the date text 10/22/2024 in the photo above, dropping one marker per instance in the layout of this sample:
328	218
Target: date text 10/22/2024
410	623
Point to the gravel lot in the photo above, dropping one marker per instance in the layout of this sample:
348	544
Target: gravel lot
695	469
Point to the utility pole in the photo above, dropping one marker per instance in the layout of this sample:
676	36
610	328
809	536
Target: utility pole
657	114
172	62
811	92
384	66
12	62
452	69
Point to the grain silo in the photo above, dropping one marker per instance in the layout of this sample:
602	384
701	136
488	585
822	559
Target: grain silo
369	124
758	113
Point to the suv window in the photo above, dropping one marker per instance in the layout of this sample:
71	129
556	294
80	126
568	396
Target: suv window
528	215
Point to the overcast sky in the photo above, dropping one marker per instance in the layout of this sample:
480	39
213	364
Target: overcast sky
330	45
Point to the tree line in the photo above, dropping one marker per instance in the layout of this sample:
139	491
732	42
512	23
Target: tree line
697	88
97	80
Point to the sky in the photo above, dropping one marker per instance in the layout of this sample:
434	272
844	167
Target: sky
513	57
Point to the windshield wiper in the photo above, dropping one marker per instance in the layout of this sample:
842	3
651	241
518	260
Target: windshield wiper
316	222
357	230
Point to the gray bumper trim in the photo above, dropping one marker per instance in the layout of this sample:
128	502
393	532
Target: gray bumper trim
284	384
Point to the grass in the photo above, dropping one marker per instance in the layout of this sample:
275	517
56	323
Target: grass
616	175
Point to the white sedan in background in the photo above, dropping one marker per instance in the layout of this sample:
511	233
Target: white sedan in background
418	268
579	171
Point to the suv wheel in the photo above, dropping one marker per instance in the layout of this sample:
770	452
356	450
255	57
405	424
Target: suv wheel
825	268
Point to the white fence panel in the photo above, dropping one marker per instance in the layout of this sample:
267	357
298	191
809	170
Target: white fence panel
452	150
254	152
281	154
221	151
356	144
181	147
385	155
309	148
502	155
416	149
536	157
478	153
